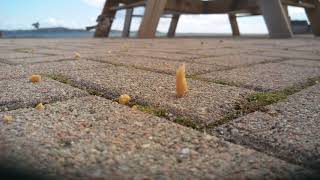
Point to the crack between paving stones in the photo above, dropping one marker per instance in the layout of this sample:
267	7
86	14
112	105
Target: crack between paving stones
196	75
240	111
255	102
260	100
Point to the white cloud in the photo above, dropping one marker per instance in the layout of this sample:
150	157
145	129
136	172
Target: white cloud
95	3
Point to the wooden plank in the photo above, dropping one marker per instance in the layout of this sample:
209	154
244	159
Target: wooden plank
298	3
173	25
153	11
234	25
314	17
129	6
105	20
276	19
210	7
127	23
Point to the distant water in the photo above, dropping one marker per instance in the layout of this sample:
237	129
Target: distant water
89	34
34	34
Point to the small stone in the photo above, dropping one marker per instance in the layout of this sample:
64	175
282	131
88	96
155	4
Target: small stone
185	151
40	106
234	132
135	107
146	146
7	119
35	78
208	137
124	99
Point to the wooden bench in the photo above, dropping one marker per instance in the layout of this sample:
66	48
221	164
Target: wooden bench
275	13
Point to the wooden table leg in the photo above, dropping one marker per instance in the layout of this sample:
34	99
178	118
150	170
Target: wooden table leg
173	25
127	23
314	17
105	20
234	25
276	19
153	11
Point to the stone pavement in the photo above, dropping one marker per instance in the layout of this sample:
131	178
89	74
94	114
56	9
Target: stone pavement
252	110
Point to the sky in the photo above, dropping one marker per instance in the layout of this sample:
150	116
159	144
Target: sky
20	14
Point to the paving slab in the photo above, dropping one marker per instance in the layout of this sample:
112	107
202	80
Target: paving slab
266	77
235	60
205	102
289	130
14	55
314	49
34	60
214	52
3	65
307	63
20	93
289	54
94	138
161	55
26	70
157	65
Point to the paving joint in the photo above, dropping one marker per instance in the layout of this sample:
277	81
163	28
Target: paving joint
258	102
135	104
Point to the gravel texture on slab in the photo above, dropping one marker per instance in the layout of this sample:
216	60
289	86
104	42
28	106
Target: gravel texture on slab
94	138
34	60
216	52
2	65
25	70
307	63
15	55
235	60
157	65
266	77
204	103
160	55
20	93
289	130
289	54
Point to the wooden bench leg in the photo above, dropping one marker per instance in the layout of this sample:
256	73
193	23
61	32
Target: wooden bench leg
314	18
276	19
105	20
173	25
153	11
286	11
127	23
234	25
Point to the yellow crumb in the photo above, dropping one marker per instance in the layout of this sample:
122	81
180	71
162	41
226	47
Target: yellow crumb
124	99
40	106
35	78
7	119
77	55
181	81
135	107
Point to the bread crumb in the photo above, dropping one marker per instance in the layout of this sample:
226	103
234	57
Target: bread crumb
124	99
7	119
40	106
77	55
181	81
35	78
135	107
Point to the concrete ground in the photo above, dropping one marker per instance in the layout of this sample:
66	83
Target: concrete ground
252	110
